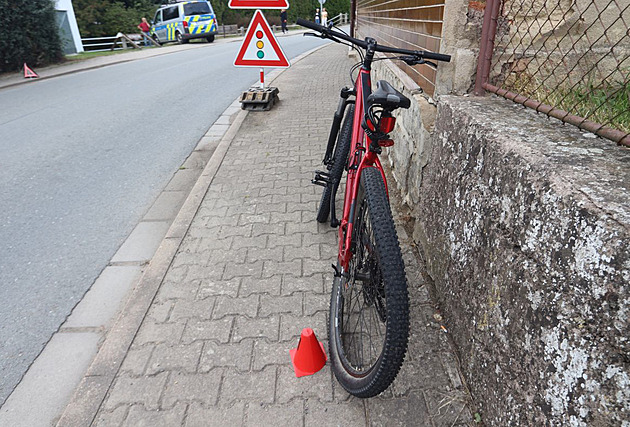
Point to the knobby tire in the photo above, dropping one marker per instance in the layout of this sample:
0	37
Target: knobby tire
374	289
340	160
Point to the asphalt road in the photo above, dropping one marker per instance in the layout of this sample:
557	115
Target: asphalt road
82	158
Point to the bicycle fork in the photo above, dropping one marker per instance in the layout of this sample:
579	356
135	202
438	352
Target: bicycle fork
369	159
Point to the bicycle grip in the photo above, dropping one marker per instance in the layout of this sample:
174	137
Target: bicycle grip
437	56
311	25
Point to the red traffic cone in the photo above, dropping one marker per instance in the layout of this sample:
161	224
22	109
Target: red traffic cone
28	73
309	356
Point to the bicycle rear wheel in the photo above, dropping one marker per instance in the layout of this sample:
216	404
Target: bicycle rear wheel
339	162
369	307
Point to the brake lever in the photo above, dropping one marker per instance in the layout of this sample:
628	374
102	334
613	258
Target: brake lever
409	60
414	60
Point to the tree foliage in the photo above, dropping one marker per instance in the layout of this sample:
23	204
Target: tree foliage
99	18
28	33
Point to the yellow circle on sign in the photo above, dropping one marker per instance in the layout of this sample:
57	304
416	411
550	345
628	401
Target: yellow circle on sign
259	44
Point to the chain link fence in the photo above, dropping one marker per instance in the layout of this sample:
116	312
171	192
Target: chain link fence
569	59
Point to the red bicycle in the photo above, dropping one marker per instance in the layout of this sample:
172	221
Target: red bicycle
369	308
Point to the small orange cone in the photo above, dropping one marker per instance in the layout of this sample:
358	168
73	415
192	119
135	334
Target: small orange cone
28	73
309	356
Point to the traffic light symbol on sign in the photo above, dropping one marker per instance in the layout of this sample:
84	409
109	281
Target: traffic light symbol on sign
260	47
260	44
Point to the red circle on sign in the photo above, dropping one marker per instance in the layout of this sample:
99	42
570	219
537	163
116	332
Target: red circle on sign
259	34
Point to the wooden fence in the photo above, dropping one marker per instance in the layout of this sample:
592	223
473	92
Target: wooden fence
409	24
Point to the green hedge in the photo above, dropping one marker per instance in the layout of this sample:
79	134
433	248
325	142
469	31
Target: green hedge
28	33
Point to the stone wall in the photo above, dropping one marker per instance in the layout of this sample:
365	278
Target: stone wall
524	223
413	132
525	227
460	38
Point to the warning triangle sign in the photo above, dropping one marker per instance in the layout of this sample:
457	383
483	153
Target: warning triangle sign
28	73
258	4
260	47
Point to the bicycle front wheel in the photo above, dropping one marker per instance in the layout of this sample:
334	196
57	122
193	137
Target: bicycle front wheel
369	307
340	160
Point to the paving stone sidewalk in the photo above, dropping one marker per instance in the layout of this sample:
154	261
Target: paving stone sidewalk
252	271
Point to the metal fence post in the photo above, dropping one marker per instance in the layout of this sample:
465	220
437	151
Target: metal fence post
486	48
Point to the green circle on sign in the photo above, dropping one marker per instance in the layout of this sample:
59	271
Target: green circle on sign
260	54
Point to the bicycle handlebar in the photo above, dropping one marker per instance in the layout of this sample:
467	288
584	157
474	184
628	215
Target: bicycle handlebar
332	34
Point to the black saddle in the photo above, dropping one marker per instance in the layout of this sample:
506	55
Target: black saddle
388	97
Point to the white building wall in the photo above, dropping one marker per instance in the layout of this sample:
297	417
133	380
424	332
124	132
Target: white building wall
66	6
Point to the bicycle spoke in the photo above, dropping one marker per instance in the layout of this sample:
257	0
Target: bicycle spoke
352	343
368	335
380	334
363	334
355	309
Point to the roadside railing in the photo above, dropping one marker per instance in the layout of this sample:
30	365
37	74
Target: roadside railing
567	59
341	19
102	44
229	30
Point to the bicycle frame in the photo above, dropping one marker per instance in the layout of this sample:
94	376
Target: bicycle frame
363	151
360	157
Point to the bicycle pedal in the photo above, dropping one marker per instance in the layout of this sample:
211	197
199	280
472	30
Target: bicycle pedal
321	178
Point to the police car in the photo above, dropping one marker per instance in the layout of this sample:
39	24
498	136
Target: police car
183	21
